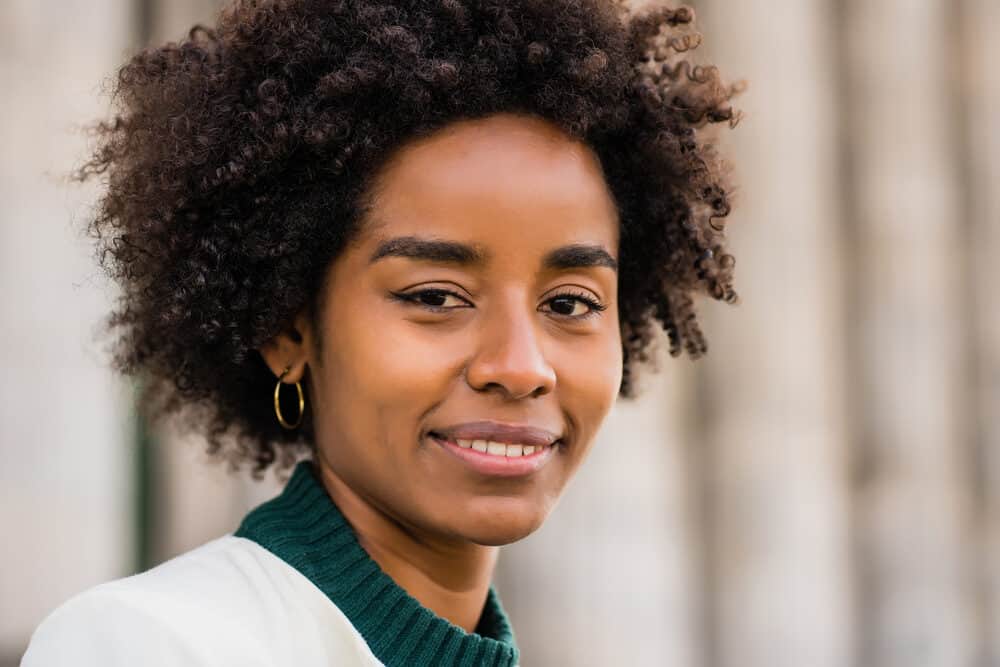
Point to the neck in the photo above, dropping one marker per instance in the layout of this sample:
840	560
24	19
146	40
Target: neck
449	577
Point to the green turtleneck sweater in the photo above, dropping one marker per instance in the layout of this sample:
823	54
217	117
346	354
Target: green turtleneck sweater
303	527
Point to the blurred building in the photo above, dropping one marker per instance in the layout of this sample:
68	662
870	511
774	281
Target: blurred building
823	489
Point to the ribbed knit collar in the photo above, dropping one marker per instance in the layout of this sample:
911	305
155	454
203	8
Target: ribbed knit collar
304	528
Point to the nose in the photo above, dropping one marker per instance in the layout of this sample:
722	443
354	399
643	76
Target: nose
509	358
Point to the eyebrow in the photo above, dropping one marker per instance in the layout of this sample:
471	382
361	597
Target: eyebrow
579	255
573	256
428	250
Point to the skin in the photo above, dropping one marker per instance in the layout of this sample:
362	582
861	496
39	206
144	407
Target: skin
385	372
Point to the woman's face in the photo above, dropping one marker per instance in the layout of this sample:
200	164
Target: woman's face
476	309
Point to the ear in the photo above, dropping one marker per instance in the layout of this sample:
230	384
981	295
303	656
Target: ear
290	349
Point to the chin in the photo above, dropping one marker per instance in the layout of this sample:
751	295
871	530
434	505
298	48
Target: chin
498	521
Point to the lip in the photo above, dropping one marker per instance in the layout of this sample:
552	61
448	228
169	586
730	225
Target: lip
498	432
489	464
498	466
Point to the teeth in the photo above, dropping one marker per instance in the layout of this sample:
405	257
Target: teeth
498	448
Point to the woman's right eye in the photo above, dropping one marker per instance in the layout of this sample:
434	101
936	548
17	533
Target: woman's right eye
433	299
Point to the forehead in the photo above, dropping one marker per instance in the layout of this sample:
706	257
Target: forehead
502	180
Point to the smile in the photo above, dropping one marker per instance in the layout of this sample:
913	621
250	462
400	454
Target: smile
497	458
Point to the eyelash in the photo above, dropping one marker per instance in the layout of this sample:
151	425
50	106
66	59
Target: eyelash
413	298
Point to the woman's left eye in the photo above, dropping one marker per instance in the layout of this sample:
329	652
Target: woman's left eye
577	306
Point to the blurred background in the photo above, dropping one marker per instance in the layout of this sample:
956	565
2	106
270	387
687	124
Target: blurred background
823	489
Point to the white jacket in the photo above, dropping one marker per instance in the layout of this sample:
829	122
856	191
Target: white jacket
228	602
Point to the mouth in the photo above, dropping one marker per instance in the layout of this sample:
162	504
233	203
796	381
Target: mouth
499	432
498	450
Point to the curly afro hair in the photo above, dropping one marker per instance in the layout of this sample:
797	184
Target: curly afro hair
236	162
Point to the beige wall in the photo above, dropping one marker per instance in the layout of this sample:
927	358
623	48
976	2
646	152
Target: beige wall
64	481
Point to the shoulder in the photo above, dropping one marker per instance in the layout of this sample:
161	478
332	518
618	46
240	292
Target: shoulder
229	601
180	612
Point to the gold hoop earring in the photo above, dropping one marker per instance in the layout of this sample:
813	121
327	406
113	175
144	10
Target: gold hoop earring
277	405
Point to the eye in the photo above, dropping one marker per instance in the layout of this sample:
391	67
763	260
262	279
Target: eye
575	305
436	300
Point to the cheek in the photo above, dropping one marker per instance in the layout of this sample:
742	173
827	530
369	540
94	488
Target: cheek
387	362
590	373
378	379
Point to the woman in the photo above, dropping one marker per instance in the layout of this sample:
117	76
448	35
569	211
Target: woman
420	245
